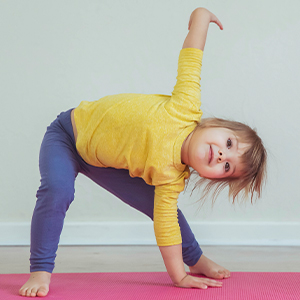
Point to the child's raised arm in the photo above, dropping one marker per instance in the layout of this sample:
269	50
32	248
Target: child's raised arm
198	27
172	255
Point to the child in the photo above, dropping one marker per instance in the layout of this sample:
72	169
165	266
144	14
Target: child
139	147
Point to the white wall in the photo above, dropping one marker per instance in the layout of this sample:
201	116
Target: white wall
55	54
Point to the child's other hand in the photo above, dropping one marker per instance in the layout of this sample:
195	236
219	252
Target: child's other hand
197	282
205	14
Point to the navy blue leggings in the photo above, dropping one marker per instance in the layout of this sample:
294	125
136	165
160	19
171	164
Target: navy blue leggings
59	166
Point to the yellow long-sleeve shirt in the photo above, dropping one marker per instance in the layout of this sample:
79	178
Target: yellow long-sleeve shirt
144	134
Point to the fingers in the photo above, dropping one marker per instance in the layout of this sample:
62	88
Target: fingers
209	282
220	25
218	22
215	20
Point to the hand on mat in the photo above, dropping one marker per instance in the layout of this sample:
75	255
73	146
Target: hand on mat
195	282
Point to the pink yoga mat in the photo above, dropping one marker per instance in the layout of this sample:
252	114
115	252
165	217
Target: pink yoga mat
158	286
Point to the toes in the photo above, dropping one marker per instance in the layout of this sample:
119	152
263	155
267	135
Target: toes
33	292
227	273
22	292
224	273
30	292
42	292
218	275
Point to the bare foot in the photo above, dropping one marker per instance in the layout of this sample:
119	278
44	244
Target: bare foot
37	285
209	268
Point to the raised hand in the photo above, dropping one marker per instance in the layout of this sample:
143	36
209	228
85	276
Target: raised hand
205	14
198	27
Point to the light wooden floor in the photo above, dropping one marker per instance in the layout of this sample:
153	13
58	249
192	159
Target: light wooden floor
148	259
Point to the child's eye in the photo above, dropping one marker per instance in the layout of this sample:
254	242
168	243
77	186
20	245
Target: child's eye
227	167
229	143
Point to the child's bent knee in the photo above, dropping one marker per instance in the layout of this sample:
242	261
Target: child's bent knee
56	195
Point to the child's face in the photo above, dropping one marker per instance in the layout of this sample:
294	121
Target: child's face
215	153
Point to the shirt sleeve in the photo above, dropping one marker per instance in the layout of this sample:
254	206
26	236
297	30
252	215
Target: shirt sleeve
166	227
187	94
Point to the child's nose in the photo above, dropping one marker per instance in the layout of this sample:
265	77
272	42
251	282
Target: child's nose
222	156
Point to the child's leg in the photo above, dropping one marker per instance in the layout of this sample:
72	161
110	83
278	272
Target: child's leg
58	168
136	193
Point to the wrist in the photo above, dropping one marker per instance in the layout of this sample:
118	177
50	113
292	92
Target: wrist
179	283
172	256
178	277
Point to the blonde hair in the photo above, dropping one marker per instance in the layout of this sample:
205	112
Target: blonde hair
253	160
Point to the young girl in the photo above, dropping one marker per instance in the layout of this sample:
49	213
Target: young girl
139	147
